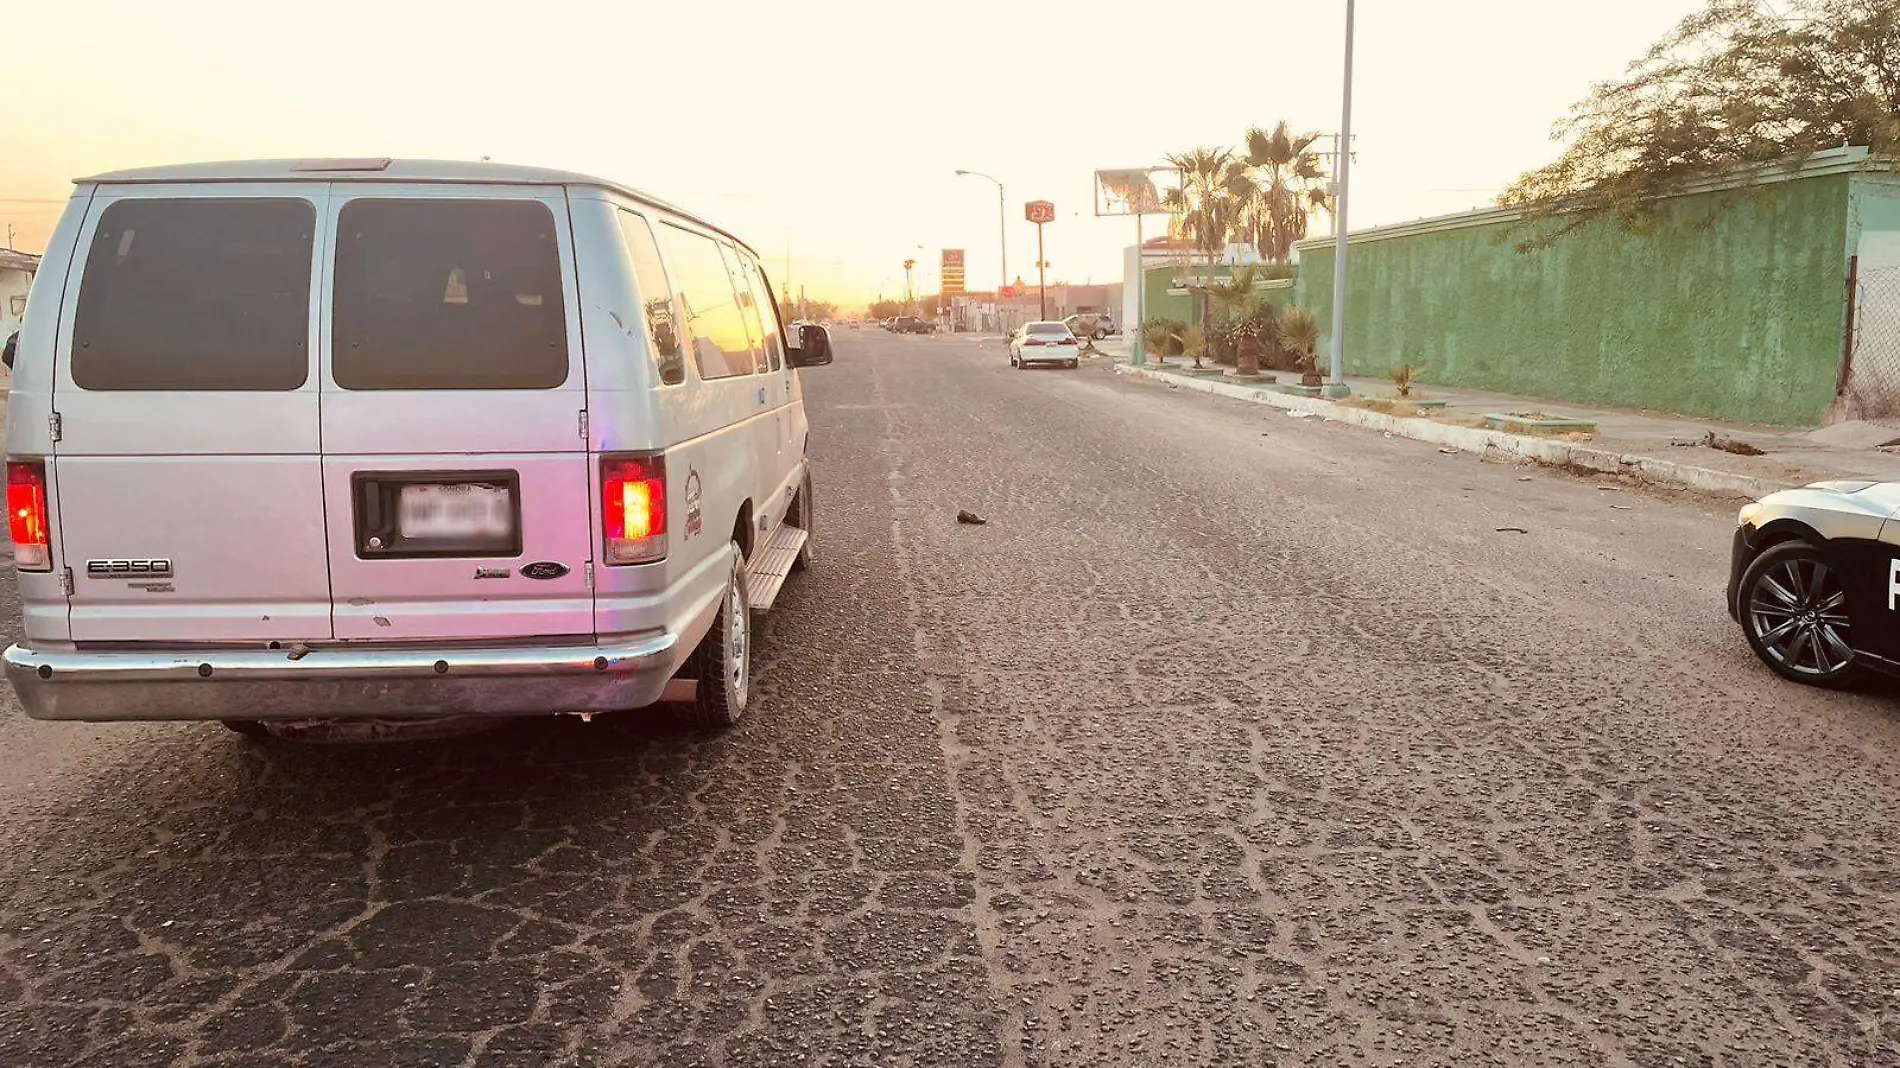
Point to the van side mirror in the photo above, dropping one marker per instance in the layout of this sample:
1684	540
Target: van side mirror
814	347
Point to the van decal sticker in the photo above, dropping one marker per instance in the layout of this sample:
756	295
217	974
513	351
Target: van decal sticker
694	521
544	569
492	572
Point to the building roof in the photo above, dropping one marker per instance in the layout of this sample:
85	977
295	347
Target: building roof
377	169
19	261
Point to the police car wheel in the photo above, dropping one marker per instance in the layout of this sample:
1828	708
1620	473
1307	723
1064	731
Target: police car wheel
1794	613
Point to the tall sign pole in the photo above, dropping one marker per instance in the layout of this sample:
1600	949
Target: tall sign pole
1338	383
1040	212
950	270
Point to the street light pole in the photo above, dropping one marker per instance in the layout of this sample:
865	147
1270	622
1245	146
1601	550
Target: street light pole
1002	226
1338	382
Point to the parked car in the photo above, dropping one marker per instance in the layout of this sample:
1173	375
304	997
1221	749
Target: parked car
1043	342
389	513
1814	580
1104	326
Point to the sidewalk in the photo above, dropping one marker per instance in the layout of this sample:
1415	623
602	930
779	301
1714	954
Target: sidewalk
1655	446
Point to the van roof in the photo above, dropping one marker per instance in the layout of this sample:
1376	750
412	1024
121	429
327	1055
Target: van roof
376	169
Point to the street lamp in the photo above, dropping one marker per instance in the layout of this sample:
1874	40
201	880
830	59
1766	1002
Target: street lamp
1002	226
1338	384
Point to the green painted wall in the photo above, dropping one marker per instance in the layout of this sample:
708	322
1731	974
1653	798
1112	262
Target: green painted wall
1187	307
1732	308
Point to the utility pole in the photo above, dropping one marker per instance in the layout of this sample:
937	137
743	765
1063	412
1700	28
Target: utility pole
910	299
1338	384
1002	224
10	232
1042	283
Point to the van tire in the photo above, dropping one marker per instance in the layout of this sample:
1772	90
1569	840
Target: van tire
723	661
252	729
801	517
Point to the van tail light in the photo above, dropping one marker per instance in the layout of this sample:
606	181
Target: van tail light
26	515
633	509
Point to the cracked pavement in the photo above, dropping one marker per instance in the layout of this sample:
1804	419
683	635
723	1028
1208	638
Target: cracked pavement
1230	740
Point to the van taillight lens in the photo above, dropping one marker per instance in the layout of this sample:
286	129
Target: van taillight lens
26	515
633	508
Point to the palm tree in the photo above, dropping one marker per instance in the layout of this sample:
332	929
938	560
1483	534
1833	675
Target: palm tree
1206	209
1282	185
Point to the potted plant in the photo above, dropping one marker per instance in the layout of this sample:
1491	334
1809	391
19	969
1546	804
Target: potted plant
1154	338
1194	343
1176	337
1299	332
1260	331
1084	330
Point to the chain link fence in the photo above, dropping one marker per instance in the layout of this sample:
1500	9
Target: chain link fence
1872	389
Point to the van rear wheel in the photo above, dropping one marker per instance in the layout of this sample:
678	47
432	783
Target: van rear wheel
723	661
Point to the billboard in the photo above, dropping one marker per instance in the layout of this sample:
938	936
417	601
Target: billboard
1135	190
951	267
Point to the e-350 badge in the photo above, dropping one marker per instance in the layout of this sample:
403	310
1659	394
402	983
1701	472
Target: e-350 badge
128	569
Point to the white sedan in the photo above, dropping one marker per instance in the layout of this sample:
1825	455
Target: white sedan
1043	342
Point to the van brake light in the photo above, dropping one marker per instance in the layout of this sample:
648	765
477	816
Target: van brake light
26	515
633	509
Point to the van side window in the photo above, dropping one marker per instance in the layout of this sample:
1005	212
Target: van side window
656	298
709	308
748	305
768	313
448	294
196	294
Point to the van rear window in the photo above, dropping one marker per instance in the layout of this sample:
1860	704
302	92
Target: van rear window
448	294
196	294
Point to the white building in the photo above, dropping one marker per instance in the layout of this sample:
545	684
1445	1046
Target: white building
16	277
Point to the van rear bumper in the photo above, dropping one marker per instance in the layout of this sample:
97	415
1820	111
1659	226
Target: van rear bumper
346	681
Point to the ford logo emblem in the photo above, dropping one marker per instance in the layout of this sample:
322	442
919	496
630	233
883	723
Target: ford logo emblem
544	569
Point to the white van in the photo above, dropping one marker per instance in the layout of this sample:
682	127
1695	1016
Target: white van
371	440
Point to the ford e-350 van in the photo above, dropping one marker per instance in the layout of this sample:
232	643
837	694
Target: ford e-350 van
293	442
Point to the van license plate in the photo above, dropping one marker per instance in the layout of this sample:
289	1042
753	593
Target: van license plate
455	510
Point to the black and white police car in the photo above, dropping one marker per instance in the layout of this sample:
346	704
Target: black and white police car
1815	580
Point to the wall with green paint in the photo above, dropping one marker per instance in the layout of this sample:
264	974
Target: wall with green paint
1731	308
1187	306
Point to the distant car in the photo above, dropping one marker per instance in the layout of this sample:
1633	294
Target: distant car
1814	580
1104	326
1044	342
911	324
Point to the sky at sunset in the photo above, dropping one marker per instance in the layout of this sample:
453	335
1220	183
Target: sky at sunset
828	133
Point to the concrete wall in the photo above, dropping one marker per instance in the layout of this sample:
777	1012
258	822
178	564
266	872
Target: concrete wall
1732	308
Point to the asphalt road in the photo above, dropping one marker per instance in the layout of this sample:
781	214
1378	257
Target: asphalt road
1232	739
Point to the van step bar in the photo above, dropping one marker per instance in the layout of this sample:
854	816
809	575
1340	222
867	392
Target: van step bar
765	575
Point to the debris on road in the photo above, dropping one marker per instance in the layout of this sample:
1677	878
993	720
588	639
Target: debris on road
1293	414
971	519
1512	530
1712	440
1446	449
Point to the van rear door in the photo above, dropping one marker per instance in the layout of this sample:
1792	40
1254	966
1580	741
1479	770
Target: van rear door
453	405
186	448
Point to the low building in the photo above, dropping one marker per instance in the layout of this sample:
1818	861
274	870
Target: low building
16	278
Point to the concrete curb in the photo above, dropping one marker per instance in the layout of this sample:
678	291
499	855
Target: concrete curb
1472	439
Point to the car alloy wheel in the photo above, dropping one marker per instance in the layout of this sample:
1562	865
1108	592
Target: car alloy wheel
1795	611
